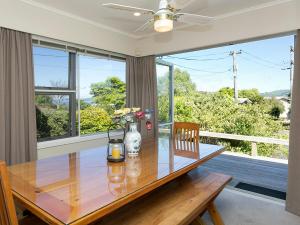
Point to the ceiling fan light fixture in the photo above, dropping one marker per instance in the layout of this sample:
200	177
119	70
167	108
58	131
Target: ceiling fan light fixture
163	23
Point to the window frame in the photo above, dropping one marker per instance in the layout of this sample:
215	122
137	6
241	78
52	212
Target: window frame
70	91
73	89
161	62
97	56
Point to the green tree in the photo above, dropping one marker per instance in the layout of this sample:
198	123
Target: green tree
218	112
274	107
44	101
42	126
183	84
93	120
84	104
227	91
109	94
164	108
52	122
252	94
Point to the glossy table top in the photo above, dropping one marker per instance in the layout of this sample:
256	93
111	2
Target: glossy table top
80	187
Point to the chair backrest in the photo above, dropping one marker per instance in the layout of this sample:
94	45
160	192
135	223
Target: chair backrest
8	214
186	139
186	131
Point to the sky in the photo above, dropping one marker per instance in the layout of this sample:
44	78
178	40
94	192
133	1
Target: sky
51	66
93	70
259	66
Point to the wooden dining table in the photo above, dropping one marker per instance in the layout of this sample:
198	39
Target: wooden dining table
82	187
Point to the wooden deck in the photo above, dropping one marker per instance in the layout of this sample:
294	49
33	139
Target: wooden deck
263	173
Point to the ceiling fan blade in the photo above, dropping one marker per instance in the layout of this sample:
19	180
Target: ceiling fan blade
180	4
145	25
193	18
128	8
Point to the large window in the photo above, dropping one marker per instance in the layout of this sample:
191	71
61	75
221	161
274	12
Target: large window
241	89
76	93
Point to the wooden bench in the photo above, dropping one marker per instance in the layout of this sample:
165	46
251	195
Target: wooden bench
177	203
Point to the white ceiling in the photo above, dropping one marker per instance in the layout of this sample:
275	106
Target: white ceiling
91	11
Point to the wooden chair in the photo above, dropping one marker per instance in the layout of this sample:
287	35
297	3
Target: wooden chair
8	215
185	131
186	139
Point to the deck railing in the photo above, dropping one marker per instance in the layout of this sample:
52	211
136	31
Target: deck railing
253	139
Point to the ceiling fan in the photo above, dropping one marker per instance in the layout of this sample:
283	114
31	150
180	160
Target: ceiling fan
163	19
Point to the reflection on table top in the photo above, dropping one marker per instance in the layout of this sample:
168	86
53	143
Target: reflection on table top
82	186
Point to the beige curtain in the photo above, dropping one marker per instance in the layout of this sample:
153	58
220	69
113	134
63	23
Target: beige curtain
17	109
141	87
293	193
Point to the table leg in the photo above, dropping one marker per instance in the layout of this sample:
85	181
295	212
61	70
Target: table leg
214	214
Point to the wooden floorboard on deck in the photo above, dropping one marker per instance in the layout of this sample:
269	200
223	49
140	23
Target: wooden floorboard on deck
263	173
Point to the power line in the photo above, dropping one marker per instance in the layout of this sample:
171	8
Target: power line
210	75
262	59
194	59
258	62
208	55
204	71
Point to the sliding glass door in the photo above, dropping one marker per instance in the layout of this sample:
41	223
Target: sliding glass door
165	94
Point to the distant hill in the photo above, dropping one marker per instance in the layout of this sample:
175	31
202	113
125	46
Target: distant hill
88	100
276	93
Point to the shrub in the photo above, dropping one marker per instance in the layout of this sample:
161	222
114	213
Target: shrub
94	120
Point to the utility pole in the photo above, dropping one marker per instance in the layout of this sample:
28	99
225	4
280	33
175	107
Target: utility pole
291	69
234	71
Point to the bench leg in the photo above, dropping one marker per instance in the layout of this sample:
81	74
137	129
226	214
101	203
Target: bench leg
214	214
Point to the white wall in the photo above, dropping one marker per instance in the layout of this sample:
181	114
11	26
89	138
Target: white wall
15	14
258	23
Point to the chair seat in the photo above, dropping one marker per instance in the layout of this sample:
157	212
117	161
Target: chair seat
31	220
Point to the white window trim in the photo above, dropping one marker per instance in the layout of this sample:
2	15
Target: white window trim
72	140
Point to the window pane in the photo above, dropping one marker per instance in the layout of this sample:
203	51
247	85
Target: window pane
242	89
51	67
163	92
102	90
53	117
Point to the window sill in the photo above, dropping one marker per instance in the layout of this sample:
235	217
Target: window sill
72	140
